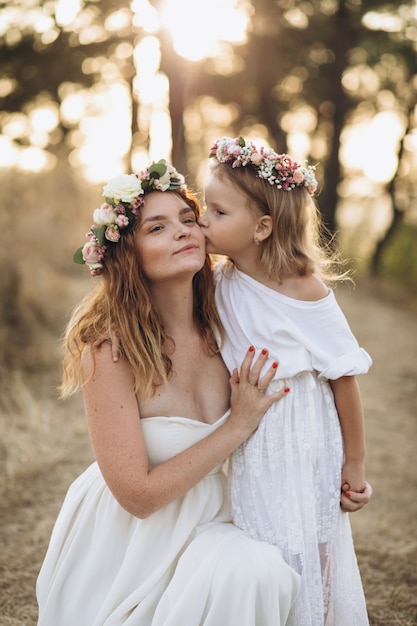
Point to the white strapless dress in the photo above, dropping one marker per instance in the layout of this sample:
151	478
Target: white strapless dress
185	565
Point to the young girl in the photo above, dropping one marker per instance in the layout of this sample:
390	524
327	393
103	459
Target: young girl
286	480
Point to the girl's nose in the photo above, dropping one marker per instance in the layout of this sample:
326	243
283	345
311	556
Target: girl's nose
202	220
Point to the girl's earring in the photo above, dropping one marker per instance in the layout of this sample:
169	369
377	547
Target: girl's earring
256	241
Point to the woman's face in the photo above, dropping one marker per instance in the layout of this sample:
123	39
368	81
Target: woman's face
169	243
227	223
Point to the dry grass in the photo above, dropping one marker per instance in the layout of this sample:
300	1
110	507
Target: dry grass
48	446
44	444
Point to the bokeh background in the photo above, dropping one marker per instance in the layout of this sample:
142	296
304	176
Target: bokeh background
90	89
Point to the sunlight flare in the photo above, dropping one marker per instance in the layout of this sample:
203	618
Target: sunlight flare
198	27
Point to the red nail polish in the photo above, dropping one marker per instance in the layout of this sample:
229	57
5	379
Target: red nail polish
286	389
251	349
264	351
347	494
275	365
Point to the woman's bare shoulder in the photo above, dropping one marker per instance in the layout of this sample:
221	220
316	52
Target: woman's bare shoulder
98	360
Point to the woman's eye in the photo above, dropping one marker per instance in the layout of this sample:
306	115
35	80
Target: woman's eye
190	220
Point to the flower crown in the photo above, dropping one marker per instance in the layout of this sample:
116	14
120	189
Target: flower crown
123	197
277	169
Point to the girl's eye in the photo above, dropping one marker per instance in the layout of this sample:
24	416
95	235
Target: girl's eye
219	212
155	229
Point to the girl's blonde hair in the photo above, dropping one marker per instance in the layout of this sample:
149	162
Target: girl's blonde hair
121	305
297	244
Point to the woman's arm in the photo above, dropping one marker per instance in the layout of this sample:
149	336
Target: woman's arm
349	407
115	430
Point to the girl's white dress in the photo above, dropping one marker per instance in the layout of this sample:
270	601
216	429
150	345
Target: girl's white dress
185	565
285	480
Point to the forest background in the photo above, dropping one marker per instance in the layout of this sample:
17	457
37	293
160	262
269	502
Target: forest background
90	89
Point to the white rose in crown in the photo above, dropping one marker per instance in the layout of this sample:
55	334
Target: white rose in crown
123	188
104	215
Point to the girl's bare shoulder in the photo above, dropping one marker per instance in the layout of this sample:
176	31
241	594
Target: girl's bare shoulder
308	288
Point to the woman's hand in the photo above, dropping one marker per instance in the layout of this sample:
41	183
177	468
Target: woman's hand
351	501
248	399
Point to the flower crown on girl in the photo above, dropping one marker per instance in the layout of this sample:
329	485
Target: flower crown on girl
277	169
123	197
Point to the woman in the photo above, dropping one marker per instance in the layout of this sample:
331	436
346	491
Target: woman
144	536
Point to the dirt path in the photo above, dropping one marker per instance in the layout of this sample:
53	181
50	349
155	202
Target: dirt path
385	532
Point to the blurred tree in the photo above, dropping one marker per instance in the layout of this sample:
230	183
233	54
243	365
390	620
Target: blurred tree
391	52
45	54
311	67
328	61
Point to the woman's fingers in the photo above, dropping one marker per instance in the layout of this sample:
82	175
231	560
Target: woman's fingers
248	399
250	373
257	367
245	368
268	376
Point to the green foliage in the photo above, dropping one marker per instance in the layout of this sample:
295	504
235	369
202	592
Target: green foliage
399	262
78	256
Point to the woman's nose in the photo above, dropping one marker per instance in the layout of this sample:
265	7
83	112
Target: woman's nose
183	231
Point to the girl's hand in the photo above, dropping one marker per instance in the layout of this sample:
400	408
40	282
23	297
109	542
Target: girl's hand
248	400
351	501
114	343
353	474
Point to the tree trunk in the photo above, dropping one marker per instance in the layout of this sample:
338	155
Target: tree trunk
398	213
342	43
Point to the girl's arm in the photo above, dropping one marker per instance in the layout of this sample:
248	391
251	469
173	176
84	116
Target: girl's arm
351	501
116	435
349	407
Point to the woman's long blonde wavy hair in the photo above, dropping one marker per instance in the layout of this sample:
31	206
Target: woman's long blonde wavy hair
121	304
297	244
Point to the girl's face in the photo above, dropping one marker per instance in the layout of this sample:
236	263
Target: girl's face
227	223
169	243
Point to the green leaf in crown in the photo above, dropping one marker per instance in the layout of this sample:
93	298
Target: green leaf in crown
78	256
99	233
158	169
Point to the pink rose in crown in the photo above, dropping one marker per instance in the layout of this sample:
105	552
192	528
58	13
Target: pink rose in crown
112	233
298	176
91	253
257	158
122	221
